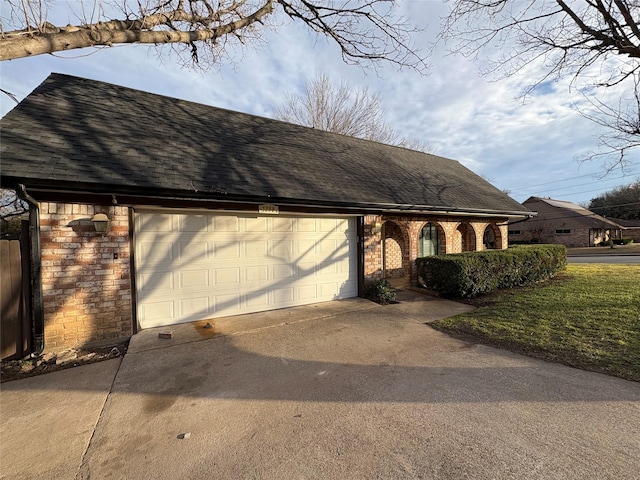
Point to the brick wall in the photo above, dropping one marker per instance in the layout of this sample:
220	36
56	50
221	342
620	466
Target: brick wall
393	251
86	291
372	249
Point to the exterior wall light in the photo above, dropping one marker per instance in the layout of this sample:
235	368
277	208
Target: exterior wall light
376	228
101	223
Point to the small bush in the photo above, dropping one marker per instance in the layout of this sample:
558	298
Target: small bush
476	273
380	291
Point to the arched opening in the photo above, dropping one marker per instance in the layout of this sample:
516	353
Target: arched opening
492	238
395	251
429	241
467	237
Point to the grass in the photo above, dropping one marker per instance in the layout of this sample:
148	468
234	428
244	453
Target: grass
587	317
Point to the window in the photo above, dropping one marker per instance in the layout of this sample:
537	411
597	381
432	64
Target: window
429	243
562	232
515	232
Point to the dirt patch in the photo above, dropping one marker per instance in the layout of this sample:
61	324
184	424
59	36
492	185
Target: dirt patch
53	362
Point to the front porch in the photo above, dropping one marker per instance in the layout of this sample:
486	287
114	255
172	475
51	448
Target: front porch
392	243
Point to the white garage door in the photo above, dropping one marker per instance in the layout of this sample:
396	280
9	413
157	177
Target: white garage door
196	266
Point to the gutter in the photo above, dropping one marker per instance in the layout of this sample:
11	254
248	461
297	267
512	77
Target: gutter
37	304
355	207
529	217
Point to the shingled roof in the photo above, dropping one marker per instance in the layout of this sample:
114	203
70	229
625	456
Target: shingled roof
75	133
563	210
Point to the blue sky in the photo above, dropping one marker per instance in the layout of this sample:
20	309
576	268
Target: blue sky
528	148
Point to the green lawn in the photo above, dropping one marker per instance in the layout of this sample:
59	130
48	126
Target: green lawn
587	317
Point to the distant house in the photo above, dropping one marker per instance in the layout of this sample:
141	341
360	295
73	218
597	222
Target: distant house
215	213
631	228
563	222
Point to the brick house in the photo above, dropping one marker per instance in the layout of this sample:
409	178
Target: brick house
559	221
214	213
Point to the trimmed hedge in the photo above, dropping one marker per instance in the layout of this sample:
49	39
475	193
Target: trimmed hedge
476	273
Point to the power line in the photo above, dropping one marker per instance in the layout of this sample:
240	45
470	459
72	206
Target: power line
556	181
582	184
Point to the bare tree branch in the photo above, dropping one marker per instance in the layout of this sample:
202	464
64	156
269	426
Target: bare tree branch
365	30
591	42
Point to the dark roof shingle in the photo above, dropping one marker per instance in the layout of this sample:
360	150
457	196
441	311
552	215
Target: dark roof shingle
104	136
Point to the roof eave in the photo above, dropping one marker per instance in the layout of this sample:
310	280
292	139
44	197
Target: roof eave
197	196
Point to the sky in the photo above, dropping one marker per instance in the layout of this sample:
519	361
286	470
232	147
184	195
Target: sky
528	147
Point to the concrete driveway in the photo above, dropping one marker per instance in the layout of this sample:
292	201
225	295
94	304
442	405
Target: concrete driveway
341	390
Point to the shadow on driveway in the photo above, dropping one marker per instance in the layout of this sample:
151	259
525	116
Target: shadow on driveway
351	389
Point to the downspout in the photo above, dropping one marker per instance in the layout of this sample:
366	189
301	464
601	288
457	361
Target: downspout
37	309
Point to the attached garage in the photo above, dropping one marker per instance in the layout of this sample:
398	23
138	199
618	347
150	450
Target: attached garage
194	266
214	213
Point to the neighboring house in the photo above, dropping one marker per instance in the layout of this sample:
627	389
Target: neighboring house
214	212
631	228
559	221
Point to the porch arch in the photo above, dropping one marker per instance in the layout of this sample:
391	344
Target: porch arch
492	238
395	248
466	236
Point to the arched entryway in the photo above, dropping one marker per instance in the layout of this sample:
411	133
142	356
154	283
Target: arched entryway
467	237
395	251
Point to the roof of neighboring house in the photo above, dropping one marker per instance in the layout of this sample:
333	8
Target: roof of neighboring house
627	223
565	210
80	134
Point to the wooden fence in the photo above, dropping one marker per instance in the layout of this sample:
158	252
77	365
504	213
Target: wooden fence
15	316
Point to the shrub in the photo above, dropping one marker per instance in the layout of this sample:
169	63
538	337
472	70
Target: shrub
380	291
477	273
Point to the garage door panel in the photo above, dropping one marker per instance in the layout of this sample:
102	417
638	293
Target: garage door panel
308	292
194	278
280	224
255	225
210	265
156	253
152	312
282	272
306	269
329	289
193	223
283	296
155	282
256	273
282	249
226	249
227	276
155	223
194	308
190	252
306	224
226	223
256	248
228	304
257	301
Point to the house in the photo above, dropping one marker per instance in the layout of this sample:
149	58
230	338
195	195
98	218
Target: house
631	228
213	212
563	222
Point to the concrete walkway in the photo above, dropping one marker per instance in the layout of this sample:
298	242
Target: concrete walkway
340	390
